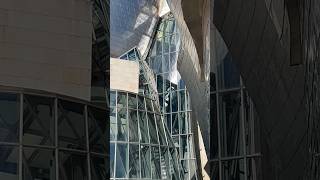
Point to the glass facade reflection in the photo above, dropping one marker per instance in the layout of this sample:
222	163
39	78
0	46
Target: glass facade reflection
140	145
46	137
234	150
173	95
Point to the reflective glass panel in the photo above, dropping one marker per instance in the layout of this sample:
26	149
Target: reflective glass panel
113	98
155	162
38	120
185	169
9	117
165	170
133	126
183	123
231	140
98	167
152	129
159	83
98	130
233	169
73	166
122	124
112	159
229	76
144	134
9	160
38	164
134	161
121	160
161	132
141	103
132	101
213	127
122	100
113	124
182	103
175	123
174	101
71	125
145	161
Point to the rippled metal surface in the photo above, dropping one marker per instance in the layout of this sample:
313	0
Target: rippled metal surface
131	24
312	59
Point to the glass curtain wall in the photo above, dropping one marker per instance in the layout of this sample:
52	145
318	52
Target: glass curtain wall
234	150
139	147
46	137
173	95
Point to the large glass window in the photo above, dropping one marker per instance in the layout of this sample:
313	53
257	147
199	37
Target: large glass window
9	117
231	139
73	166
38	120
71	125
98	130
39	164
9	162
121	160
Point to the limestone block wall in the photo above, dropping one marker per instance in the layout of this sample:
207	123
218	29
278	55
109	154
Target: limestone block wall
46	45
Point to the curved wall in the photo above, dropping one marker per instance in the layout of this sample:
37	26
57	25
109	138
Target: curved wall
276	87
46	45
45	135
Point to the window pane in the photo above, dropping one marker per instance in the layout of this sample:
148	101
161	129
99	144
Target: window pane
145	162
161	132
112	158
214	127
149	104
231	140
159	83
38	164
122	100
73	166
38	120
152	129
233	169
214	170
98	167
9	160
134	166
132	101
122	124
167	118
165	170
71	125
144	136
174	101
121	160
254	168
113	124
9	117
184	147
141	104
182	103
175	123
228	74
183	123
174	166
113	98
185	169
98	130
133	126
155	162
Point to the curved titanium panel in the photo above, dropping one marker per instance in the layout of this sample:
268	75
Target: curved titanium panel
276	88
